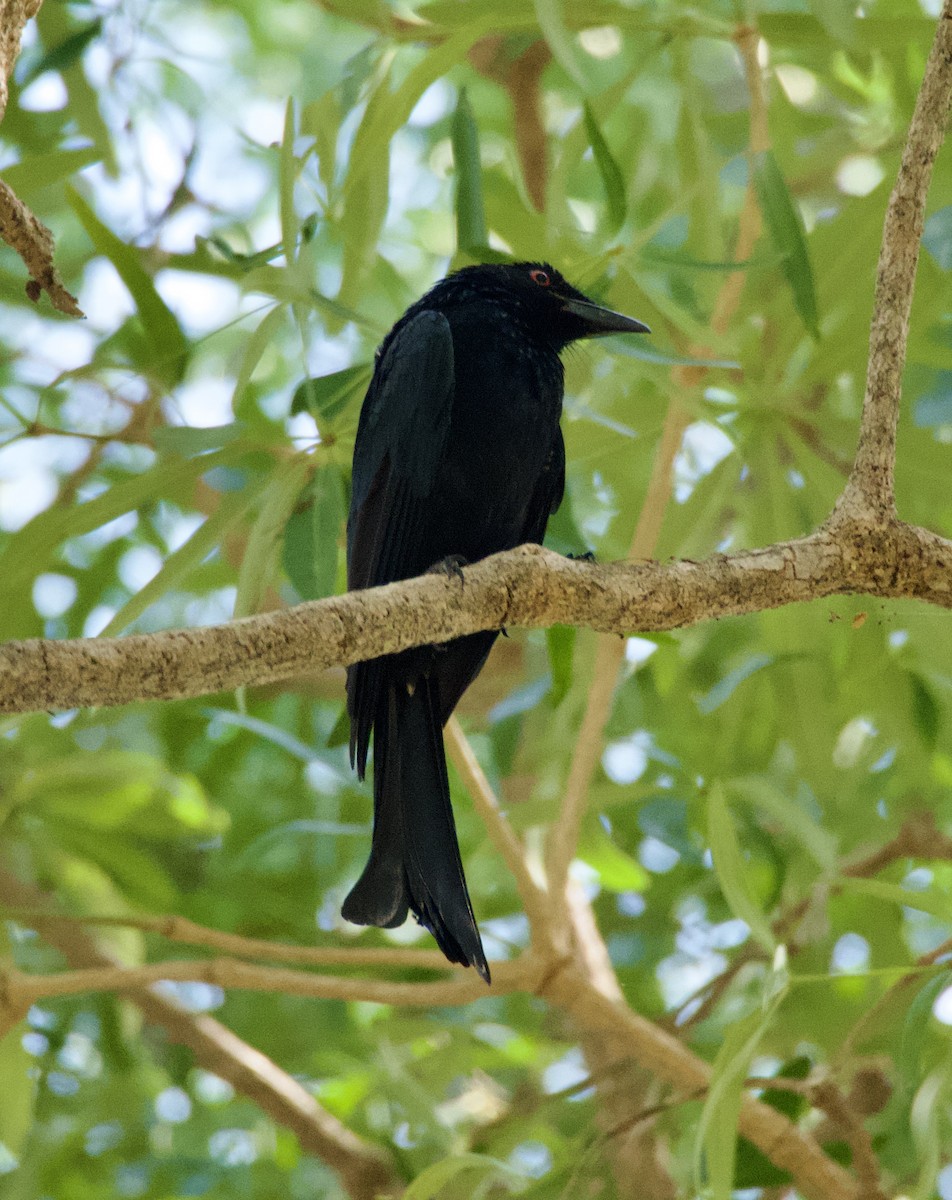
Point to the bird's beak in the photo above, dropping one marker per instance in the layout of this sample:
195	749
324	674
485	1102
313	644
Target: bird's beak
600	321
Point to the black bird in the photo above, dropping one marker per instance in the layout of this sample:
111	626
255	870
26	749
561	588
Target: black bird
458	455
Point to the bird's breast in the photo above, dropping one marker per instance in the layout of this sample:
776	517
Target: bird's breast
506	408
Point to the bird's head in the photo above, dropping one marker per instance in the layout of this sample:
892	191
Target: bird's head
547	303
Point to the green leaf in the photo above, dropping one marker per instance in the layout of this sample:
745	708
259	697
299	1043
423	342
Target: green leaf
560	642
186	441
259	565
916	1027
373	141
30	548
365	210
287	174
262	337
617	871
717	1128
135	871
340	733
931	900
181	562
159	325
731	869
39	171
612	179
69	51
312	536
722	691
17	1070
762	794
926	713
471	231
431	1182
560	42
326	397
785	224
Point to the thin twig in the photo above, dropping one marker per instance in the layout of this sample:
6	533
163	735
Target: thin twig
181	929
231	973
365	1169
501	834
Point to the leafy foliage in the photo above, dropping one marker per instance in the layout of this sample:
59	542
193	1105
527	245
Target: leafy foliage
245	197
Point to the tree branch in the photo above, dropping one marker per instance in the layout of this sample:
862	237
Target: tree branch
19	228
871	486
785	1144
364	1168
534	897
528	587
18	988
186	932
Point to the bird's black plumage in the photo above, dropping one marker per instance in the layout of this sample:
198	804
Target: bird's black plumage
459	454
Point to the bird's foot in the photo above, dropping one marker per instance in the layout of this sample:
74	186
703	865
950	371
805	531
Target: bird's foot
451	567
588	556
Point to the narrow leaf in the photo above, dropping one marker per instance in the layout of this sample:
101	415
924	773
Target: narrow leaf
762	794
788	235
549	16
258	568
38	172
560	641
326	397
470	218
930	900
431	1182
255	346
312	536
612	178
287	175
159	324
181	562
717	1128
731	869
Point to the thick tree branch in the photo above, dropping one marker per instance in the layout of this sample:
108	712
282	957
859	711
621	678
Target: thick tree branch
786	1145
871	486
526	587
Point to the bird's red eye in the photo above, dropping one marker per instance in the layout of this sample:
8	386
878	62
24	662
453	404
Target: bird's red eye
540	277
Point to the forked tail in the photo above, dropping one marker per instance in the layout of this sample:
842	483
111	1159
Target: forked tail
414	861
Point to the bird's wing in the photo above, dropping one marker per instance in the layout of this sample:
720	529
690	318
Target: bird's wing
400	442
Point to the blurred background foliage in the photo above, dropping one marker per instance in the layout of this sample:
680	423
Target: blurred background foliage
244	198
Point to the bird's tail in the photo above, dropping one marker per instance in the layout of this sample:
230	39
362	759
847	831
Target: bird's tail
414	860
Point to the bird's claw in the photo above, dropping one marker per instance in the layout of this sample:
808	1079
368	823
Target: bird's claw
587	556
451	566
